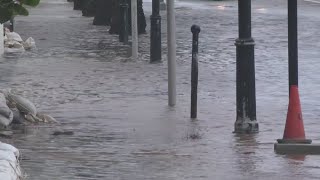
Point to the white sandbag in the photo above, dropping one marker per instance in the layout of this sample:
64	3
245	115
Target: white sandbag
6	115
46	118
9	171
13	36
9	148
5	122
17	45
18	118
9	163
7	155
23	104
29	44
4	109
13	44
6	92
14	50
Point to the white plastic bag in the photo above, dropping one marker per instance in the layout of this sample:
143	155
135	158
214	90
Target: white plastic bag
29	44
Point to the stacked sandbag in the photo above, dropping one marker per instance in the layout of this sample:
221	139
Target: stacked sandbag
13	42
29	44
6	115
22	110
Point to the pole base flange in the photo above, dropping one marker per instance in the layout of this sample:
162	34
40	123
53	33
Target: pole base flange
246	127
297	149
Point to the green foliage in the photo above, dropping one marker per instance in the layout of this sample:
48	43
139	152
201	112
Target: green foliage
31	2
11	8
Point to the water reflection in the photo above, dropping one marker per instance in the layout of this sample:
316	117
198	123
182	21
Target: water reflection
118	110
245	147
194	130
297	158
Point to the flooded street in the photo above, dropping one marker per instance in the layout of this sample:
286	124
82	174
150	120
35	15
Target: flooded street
117	107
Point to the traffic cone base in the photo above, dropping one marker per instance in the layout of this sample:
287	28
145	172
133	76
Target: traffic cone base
294	141
294	129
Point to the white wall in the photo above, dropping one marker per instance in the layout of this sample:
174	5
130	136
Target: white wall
1	40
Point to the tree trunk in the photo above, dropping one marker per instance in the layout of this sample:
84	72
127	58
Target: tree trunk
115	18
78	4
141	19
103	12
89	8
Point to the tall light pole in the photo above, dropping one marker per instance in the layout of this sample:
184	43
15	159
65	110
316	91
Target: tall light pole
171	40
246	120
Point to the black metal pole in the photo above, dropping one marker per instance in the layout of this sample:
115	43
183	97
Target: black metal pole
155	36
194	70
123	35
294	128
293	42
103	12
141	18
121	20
126	22
246	93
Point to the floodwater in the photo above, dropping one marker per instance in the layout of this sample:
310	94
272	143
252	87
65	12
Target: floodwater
117	107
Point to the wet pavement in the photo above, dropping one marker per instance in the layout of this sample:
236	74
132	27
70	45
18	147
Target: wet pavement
117	107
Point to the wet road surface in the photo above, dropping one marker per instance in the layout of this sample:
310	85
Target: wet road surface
117	107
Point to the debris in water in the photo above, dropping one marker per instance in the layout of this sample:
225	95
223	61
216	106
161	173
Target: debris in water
57	133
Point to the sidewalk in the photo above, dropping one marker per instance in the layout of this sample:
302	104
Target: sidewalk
117	107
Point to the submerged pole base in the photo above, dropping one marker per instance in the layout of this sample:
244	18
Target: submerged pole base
294	141
246	127
301	149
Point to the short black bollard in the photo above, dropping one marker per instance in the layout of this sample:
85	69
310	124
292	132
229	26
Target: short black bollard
194	70
12	24
124	28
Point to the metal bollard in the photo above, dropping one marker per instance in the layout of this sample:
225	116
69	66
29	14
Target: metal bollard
155	32
124	29
194	70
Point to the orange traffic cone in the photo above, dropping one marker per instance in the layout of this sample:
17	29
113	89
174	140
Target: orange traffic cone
294	129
